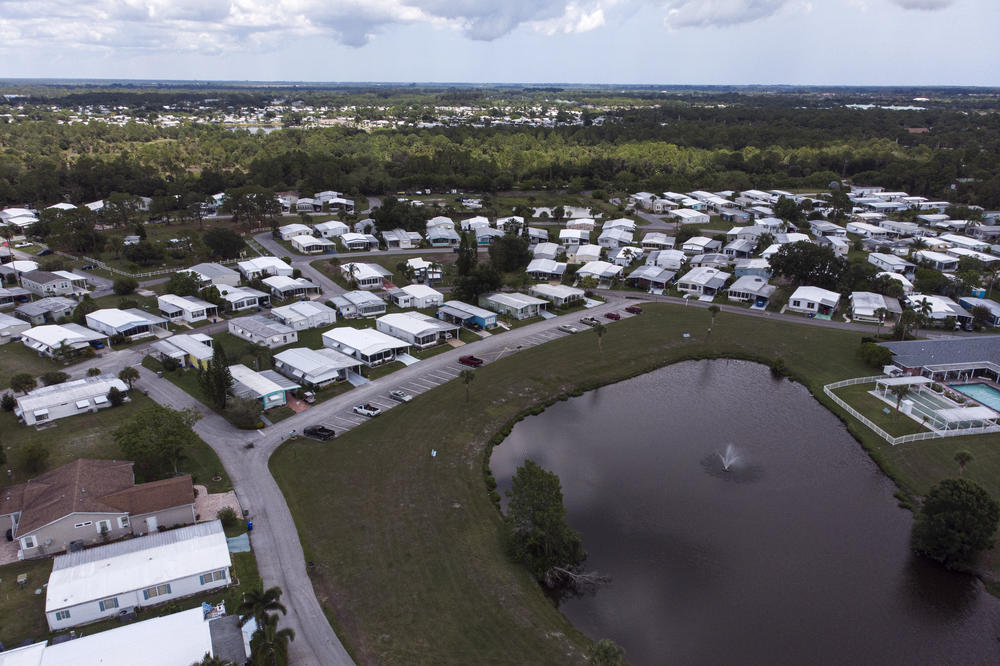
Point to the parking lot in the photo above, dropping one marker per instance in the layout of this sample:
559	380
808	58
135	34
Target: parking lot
344	420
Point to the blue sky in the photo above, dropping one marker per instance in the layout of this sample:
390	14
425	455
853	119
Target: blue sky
825	42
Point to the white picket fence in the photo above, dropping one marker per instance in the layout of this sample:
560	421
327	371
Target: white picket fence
902	439
118	271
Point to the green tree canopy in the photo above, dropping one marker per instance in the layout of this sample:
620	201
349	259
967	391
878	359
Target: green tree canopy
538	535
157	437
956	522
806	263
223	243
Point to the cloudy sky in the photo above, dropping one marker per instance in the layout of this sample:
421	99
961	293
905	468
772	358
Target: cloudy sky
878	42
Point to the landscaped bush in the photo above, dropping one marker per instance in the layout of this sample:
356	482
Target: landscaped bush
125	285
8	402
54	377
228	516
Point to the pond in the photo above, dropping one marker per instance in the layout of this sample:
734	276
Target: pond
798	554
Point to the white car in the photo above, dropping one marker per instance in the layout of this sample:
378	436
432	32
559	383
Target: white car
400	396
568	328
367	409
20	245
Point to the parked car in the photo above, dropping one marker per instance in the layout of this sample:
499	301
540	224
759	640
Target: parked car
613	315
568	328
309	397
589	321
322	433
469	359
97	344
88	267
44	253
367	409
634	309
400	395
20	245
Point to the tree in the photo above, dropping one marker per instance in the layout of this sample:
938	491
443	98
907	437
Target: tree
244	412
93	372
183	284
880	314
468	255
223	243
806	263
509	253
956	522
124	286
900	391
157	437
53	377
714	310
963	458
84	308
115	396
468	376
981	316
23	382
483	279
788	210
257	603
269	645
538	535
216	381
8	402
129	375
606	652
874	355
209	660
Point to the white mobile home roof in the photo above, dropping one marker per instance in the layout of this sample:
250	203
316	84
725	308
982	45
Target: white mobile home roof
557	290
515	300
189	344
282	282
67	392
185	302
315	361
367	341
257	383
51	335
169	640
264	264
421	291
816	295
98	573
364	271
415	323
122	319
212	271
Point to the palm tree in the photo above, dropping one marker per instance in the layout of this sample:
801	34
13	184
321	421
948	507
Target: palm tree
209	660
468	376
269	645
900	391
963	458
600	329
714	309
258	602
880	314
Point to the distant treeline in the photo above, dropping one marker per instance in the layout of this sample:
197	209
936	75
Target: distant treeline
675	146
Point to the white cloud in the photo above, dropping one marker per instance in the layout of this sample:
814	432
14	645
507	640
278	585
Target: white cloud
703	13
926	5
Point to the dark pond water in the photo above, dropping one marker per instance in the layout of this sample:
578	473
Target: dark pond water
798	555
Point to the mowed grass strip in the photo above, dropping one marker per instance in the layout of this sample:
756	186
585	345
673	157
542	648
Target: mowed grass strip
407	548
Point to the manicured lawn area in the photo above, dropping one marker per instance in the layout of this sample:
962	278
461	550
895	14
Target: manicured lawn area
15	358
410	562
893	423
90	436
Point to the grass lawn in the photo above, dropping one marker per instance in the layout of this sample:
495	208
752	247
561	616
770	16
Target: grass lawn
389	525
24	611
90	436
893	423
15	358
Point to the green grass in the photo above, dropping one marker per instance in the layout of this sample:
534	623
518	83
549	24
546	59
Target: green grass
279	413
895	424
15	358
22	610
90	436
411	567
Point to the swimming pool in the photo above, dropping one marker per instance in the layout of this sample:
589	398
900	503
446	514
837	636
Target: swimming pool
987	395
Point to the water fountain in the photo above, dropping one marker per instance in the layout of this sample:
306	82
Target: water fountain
729	458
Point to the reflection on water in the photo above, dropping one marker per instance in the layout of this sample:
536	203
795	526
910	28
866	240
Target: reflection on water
797	554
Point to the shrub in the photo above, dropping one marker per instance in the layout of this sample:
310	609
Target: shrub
125	285
874	355
93	372
115	397
53	377
169	364
228	516
8	402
